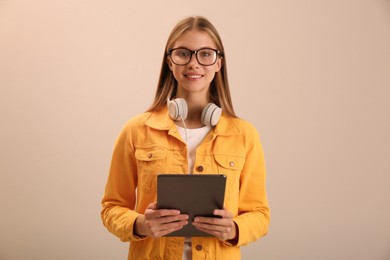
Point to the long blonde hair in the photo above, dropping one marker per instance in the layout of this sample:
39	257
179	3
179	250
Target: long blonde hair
219	87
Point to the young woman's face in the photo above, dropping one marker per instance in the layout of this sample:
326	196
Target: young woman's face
194	77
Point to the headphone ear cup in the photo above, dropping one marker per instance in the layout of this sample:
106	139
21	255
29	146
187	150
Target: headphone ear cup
178	109
211	114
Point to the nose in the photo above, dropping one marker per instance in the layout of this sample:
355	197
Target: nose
193	60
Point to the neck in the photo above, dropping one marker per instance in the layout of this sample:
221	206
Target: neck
195	103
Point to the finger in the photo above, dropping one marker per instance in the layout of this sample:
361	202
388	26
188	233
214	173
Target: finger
212	221
156	226
219	235
168	229
223	213
152	213
152	205
167	212
198	220
226	227
169	219
157	230
173	225
221	232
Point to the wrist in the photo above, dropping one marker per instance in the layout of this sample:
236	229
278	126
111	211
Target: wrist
139	226
234	235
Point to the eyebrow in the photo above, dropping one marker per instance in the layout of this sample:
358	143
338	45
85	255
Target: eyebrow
208	47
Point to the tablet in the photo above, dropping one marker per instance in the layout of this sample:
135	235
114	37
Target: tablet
192	194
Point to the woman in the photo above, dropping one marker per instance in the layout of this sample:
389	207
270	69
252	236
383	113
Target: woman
198	133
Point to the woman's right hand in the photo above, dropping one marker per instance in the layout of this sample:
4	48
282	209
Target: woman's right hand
159	222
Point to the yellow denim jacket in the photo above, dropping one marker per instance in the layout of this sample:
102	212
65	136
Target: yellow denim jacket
150	144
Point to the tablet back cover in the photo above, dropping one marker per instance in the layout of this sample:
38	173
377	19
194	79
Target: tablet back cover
192	194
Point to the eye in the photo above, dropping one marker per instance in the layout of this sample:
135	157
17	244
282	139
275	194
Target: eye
206	53
182	53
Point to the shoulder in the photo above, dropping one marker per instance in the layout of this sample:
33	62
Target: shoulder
244	124
138	120
241	126
135	124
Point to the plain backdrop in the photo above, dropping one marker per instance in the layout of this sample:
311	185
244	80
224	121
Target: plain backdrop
312	76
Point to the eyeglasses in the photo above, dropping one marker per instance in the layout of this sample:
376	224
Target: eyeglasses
204	56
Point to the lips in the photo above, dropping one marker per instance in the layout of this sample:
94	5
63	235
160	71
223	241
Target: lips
193	76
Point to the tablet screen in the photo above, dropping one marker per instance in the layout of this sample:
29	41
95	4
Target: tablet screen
192	194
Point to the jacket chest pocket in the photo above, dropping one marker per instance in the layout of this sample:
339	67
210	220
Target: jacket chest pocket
232	167
149	163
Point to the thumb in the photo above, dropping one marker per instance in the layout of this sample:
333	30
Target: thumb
152	205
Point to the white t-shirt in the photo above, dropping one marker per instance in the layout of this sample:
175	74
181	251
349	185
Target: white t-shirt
194	139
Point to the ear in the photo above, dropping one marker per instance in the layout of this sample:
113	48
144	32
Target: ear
169	62
218	64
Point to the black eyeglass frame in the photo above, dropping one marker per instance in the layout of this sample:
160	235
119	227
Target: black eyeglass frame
219	53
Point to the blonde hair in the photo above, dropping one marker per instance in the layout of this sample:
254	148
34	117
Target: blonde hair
219	87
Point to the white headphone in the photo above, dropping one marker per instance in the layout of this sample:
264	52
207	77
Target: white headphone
178	110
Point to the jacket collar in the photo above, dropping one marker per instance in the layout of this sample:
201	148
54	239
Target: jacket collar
160	120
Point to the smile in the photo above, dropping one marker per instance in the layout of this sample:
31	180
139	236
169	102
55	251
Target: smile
194	76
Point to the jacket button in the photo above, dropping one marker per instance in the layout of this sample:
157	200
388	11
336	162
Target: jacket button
199	247
231	164
150	155
200	168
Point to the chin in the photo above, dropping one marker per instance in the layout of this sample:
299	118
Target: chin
199	88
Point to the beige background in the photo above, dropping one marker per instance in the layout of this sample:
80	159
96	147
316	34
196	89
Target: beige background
312	76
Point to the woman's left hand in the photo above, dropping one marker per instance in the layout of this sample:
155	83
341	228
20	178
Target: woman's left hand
222	228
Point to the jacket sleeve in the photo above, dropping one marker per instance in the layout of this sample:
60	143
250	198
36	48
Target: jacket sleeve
119	199
253	212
